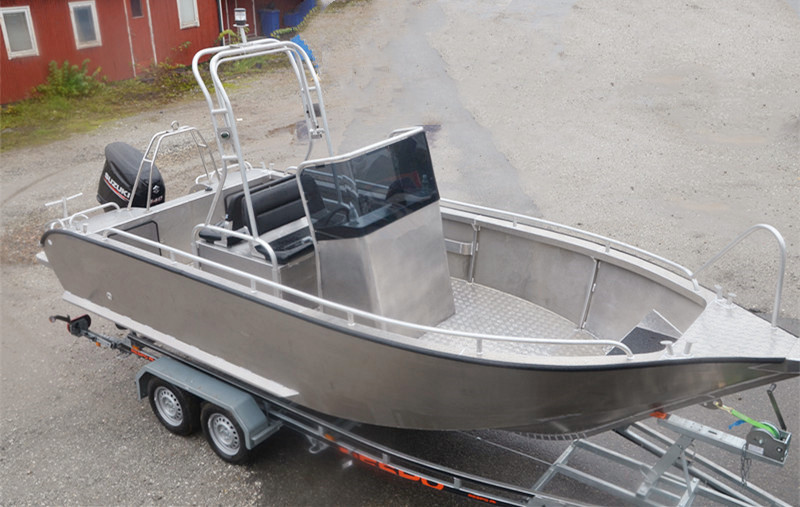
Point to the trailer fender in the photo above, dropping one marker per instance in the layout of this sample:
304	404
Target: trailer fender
255	424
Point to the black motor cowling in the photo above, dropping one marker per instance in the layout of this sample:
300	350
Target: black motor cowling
119	173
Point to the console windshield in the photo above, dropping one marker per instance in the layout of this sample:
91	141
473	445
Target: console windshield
352	197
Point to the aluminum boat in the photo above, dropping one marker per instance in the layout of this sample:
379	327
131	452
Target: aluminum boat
346	285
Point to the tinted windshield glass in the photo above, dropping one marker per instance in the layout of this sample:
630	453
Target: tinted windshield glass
355	197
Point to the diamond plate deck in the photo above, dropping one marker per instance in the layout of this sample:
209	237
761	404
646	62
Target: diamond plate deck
725	329
484	310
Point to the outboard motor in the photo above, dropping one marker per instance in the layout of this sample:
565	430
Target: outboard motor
119	173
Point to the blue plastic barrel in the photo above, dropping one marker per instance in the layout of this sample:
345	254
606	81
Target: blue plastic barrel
299	13
270	20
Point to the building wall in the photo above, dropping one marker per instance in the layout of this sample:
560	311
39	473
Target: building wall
128	44
169	36
253	7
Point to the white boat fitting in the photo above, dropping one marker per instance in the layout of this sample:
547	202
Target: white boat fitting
348	286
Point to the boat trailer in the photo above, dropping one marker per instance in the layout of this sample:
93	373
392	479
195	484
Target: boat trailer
235	418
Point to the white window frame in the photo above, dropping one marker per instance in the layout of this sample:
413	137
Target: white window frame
78	43
191	24
34	51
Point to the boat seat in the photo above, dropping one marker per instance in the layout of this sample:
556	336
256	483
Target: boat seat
289	247
236	212
276	205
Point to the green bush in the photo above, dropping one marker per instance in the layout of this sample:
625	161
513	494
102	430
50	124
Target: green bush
229	35
70	80
284	33
172	81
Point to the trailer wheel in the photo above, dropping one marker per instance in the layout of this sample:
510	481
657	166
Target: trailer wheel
177	410
224	434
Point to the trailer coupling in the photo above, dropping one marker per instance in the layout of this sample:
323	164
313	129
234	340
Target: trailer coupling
79	326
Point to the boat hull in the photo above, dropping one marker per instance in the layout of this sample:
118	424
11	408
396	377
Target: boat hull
322	363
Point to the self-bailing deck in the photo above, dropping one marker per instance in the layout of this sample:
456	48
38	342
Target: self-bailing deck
486	311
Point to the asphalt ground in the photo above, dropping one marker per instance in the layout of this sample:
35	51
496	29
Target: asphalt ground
671	127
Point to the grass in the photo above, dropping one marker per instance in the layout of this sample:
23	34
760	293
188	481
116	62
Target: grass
49	117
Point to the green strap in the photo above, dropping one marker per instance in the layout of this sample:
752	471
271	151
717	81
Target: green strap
767	427
735	413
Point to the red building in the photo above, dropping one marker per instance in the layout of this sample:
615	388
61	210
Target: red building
122	37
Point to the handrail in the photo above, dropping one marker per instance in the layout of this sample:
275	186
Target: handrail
601	240
245	237
63	203
781	262
608	243
69	221
175	129
396	136
355	312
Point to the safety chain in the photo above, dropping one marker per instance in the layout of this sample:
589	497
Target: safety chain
744	467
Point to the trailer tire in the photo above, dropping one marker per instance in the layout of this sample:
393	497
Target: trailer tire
224	434
176	409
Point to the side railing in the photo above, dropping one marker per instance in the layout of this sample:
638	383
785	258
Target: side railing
79	221
151	153
608	244
253	242
351	313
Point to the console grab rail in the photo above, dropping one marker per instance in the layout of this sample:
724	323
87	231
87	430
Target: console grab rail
354	312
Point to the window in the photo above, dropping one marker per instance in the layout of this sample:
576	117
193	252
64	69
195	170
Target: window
187	13
136	8
18	32
84	24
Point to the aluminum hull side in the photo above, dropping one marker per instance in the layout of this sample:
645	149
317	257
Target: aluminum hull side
347	373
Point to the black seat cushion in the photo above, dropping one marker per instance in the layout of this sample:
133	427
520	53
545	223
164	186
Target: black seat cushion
236	208
274	206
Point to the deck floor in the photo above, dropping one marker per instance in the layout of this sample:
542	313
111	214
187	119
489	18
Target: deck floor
483	310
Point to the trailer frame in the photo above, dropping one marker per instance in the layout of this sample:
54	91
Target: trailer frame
259	415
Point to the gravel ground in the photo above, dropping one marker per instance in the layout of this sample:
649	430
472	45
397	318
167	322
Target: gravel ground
669	126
